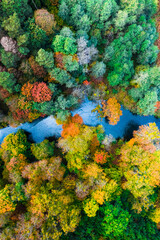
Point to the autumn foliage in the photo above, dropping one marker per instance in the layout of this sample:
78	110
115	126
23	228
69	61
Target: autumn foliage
26	90
112	110
100	156
15	167
94	144
148	136
21	115
59	59
38	70
4	93
38	92
86	185
48	190
6	204
157	106
44	20
140	162
71	128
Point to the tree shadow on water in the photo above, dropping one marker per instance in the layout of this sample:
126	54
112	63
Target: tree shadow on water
52	138
128	131
106	120
29	136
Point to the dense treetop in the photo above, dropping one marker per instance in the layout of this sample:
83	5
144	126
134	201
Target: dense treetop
82	178
84	185
76	48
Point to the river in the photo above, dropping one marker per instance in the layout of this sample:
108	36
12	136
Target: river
47	127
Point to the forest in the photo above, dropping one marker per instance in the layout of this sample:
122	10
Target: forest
85	185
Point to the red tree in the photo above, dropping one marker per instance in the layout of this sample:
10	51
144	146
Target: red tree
20	115
41	92
4	93
157	106
101	156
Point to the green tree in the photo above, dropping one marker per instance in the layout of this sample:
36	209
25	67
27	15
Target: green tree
119	54
84	23
151	7
37	36
62	77
7	81
23	40
70	46
146	105
115	220
66	45
45	59
121	19
47	108
70	64
140	228
9	59
23	50
146	91
12	26
58	43
88	15
99	69
66	32
20	7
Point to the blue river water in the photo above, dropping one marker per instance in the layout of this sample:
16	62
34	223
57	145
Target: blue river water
47	127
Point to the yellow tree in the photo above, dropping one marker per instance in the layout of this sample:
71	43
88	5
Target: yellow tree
110	109
141	166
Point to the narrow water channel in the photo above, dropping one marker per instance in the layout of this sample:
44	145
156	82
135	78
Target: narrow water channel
47	127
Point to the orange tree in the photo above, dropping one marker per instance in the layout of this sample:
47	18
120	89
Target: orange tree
110	109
